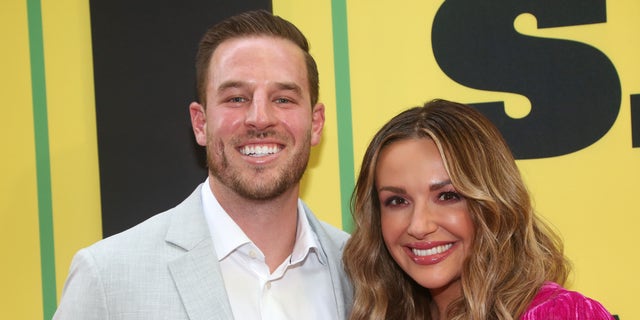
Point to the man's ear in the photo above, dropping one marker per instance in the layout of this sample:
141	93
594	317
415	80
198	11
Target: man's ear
317	123
199	122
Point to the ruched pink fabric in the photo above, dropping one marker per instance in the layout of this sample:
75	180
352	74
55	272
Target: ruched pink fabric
553	302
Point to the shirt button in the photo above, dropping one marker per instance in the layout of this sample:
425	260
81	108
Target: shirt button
253	254
268	285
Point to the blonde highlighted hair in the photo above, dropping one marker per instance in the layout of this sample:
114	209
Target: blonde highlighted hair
513	252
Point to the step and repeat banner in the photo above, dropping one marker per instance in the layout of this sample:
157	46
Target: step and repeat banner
96	136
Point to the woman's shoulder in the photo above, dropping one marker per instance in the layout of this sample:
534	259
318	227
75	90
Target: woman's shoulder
555	302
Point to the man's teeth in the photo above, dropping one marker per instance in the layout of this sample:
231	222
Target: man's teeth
432	251
257	151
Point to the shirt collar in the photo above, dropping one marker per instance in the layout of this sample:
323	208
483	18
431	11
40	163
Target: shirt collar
306	239
227	235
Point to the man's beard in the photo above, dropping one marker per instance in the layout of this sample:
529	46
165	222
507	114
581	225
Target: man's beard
243	181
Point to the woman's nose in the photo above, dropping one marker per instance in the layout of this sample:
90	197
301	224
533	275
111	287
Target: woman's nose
422	222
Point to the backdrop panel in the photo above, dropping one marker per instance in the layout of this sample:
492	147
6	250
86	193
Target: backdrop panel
143	55
20	270
562	81
556	78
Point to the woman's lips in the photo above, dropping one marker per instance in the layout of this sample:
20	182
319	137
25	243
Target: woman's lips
429	253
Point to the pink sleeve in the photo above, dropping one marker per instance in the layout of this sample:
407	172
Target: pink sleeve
554	302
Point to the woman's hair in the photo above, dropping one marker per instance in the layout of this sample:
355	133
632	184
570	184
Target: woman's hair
252	24
513	251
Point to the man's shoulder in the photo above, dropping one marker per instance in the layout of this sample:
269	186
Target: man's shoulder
149	233
324	229
140	244
123	271
152	228
334	232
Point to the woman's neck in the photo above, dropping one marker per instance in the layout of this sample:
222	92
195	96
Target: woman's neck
443	297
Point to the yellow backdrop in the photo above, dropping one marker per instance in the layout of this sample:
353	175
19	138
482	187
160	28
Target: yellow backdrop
588	195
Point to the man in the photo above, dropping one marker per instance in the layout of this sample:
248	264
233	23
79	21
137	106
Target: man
242	245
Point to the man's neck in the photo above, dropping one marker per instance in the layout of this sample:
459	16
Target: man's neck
270	224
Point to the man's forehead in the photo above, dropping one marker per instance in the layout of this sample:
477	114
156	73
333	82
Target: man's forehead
249	44
240	84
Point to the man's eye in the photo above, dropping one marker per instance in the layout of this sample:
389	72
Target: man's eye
237	99
282	100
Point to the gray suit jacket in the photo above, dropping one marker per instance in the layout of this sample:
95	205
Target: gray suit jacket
167	268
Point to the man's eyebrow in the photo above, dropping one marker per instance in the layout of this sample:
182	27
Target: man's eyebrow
290	86
231	84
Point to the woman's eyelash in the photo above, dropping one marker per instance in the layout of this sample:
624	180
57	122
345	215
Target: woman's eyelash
394	201
449	195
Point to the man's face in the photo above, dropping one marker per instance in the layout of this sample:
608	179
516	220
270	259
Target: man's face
259	124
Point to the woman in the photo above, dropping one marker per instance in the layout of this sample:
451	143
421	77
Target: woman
445	228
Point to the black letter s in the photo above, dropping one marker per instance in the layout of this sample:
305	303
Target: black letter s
574	89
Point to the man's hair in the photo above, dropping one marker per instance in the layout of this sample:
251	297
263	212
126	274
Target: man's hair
248	24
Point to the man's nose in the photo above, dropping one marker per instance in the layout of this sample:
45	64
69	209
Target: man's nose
261	113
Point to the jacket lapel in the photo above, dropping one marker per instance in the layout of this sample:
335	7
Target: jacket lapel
197	272
332	248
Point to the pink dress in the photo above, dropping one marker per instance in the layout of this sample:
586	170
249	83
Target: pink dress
554	302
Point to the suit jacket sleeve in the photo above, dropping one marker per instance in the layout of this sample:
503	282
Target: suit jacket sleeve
83	291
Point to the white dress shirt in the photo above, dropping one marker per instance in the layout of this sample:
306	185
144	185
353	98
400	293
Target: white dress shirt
300	288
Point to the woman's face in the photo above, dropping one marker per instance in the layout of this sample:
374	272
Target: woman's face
425	222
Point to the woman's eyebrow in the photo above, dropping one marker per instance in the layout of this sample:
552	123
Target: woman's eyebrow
439	185
392	189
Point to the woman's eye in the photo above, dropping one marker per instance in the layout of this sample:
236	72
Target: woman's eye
449	195
395	201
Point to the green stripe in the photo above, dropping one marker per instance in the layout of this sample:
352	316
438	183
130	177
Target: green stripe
43	168
343	101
